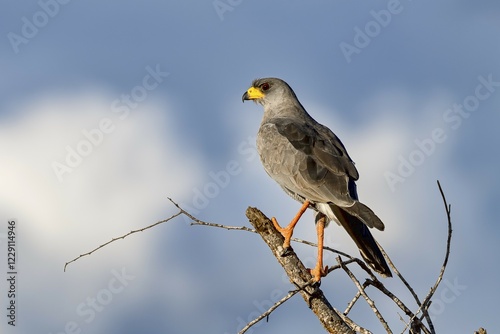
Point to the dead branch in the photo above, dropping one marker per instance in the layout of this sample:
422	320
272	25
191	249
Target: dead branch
427	301
298	274
362	291
122	237
333	320
269	311
194	221
413	293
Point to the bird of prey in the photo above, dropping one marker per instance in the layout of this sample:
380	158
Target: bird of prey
311	164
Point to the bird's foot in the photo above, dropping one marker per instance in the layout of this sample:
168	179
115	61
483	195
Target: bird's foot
286	232
318	272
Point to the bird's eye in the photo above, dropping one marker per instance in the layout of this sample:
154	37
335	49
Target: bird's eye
265	86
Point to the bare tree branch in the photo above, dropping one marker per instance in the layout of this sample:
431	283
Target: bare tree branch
269	311
369	301
357	328
426	303
194	221
333	320
298	274
410	289
123	237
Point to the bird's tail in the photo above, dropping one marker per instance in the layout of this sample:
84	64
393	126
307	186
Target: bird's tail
361	235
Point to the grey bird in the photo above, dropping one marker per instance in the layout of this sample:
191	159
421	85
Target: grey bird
311	164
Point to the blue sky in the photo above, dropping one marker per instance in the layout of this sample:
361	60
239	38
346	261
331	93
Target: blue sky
107	109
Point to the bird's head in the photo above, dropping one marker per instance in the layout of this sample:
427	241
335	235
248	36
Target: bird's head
269	92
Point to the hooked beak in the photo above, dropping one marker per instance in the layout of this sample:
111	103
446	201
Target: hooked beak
252	94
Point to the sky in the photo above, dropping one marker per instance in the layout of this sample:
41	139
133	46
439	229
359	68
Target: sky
107	109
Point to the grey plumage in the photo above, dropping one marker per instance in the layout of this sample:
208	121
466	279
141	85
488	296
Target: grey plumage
310	162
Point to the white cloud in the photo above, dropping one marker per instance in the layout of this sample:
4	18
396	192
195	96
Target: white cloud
126	177
121	185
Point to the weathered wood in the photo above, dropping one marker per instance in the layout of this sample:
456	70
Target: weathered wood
298	274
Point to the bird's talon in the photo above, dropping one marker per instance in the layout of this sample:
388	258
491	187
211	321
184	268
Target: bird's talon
316	284
276	224
318	272
287	251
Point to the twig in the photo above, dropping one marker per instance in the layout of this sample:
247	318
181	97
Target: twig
380	286
410	289
400	276
227	227
194	221
352	302
357	328
309	243
269	311
333	320
426	303
361	290
123	237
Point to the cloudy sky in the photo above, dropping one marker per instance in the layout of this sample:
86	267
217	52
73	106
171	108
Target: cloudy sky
108	108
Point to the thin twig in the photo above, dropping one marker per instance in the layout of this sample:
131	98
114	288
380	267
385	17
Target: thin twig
410	289
352	302
123	237
426	303
227	227
370	302
414	319
194	221
357	328
269	311
309	243
400	276
380	286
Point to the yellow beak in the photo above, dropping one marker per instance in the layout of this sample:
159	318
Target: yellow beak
252	93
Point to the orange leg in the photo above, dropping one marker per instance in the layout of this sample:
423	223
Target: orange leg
319	271
288	231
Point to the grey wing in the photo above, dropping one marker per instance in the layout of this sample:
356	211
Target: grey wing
328	145
312	163
358	209
307	163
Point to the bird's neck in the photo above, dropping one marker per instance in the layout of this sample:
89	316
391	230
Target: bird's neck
294	111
